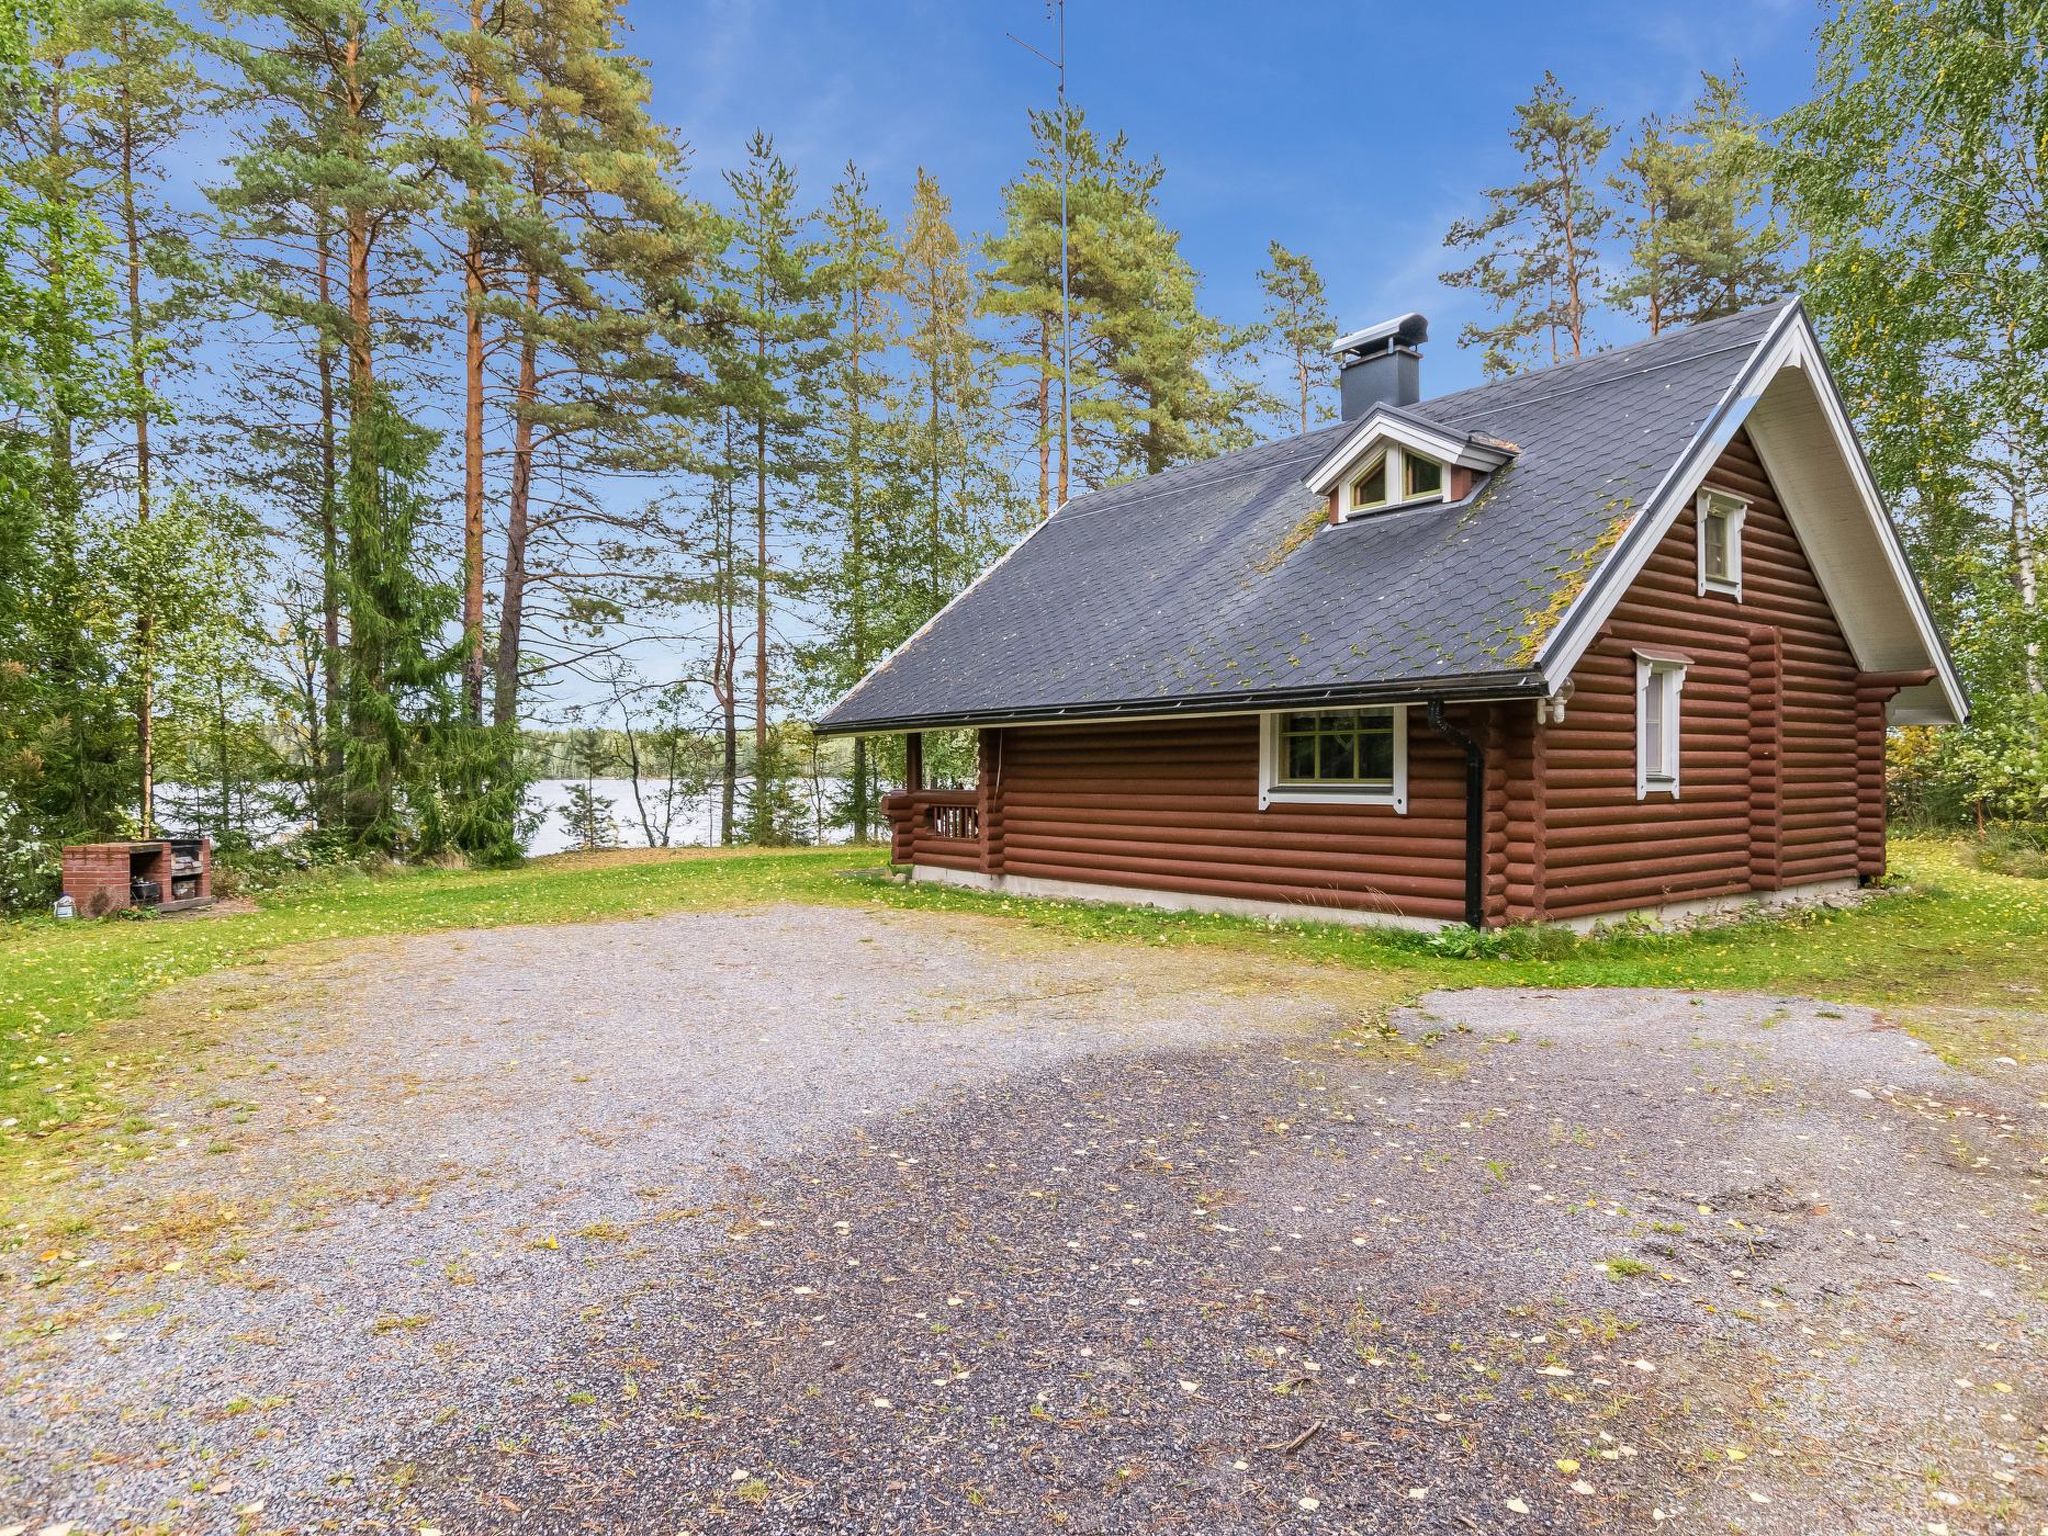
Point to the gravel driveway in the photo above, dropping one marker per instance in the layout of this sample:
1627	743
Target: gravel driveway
816	1219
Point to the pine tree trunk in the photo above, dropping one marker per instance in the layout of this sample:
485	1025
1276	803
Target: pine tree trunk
1043	404
366	801
518	519
327	810
473	482
726	667
473	431
857	572
760	829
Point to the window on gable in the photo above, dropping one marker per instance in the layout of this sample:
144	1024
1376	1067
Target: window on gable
1344	755
1370	489
1397	478
1660	681
1720	539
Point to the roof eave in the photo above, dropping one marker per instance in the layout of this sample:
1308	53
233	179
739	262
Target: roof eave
1470	687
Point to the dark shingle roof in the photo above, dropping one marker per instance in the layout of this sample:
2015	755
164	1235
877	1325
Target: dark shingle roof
1220	585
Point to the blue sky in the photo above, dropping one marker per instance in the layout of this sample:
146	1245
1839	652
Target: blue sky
1353	132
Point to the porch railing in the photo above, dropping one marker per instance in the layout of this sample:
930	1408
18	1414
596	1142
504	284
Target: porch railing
938	816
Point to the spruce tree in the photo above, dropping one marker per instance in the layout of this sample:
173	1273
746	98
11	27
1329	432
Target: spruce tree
70	757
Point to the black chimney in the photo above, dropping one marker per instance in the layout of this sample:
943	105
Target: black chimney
1380	363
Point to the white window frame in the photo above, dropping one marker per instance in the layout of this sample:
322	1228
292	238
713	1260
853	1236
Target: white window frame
1734	509
1657	763
1396	458
1274	790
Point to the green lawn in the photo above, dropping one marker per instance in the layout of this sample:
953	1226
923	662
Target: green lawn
1962	953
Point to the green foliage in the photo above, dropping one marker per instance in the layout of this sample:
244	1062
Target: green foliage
2020	850
1146	389
589	820
1916	175
1537	248
1701	242
1299	329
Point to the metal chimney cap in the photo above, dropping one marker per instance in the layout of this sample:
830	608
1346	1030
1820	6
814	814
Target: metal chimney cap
1409	330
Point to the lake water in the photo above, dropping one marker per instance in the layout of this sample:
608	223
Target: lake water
693	824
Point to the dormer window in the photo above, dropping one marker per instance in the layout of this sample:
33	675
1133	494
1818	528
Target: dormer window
1393	457
1398	477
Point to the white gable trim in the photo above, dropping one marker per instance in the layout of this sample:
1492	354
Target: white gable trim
1790	343
1382	425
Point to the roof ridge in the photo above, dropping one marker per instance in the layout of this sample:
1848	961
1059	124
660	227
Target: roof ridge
1224	466
1612	354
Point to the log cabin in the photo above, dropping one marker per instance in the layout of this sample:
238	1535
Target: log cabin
1618	637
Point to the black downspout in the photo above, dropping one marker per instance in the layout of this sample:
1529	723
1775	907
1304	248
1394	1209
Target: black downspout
1475	813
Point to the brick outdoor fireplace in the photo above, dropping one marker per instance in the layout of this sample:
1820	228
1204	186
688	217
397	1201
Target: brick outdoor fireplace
167	875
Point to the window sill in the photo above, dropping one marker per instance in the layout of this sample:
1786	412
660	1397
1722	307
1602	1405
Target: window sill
1722	588
1299	794
1658	787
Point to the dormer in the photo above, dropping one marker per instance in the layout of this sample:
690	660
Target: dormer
1393	459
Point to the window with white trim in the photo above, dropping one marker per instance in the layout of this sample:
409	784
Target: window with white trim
1660	682
1339	756
1720	538
1396	477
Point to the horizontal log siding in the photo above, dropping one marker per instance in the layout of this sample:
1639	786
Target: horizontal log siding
1743	820
1519	757
1174	806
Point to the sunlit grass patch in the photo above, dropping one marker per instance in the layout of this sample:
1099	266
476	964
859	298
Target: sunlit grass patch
1956	949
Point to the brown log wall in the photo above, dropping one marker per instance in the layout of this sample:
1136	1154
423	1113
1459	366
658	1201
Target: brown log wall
1175	807
1772	755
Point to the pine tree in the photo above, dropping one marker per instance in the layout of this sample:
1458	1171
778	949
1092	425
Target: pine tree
1022	286
1537	259
1299	328
847	560
599	241
347	81
950	504
1143	393
945	380
771	312
1701	243
1733	243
